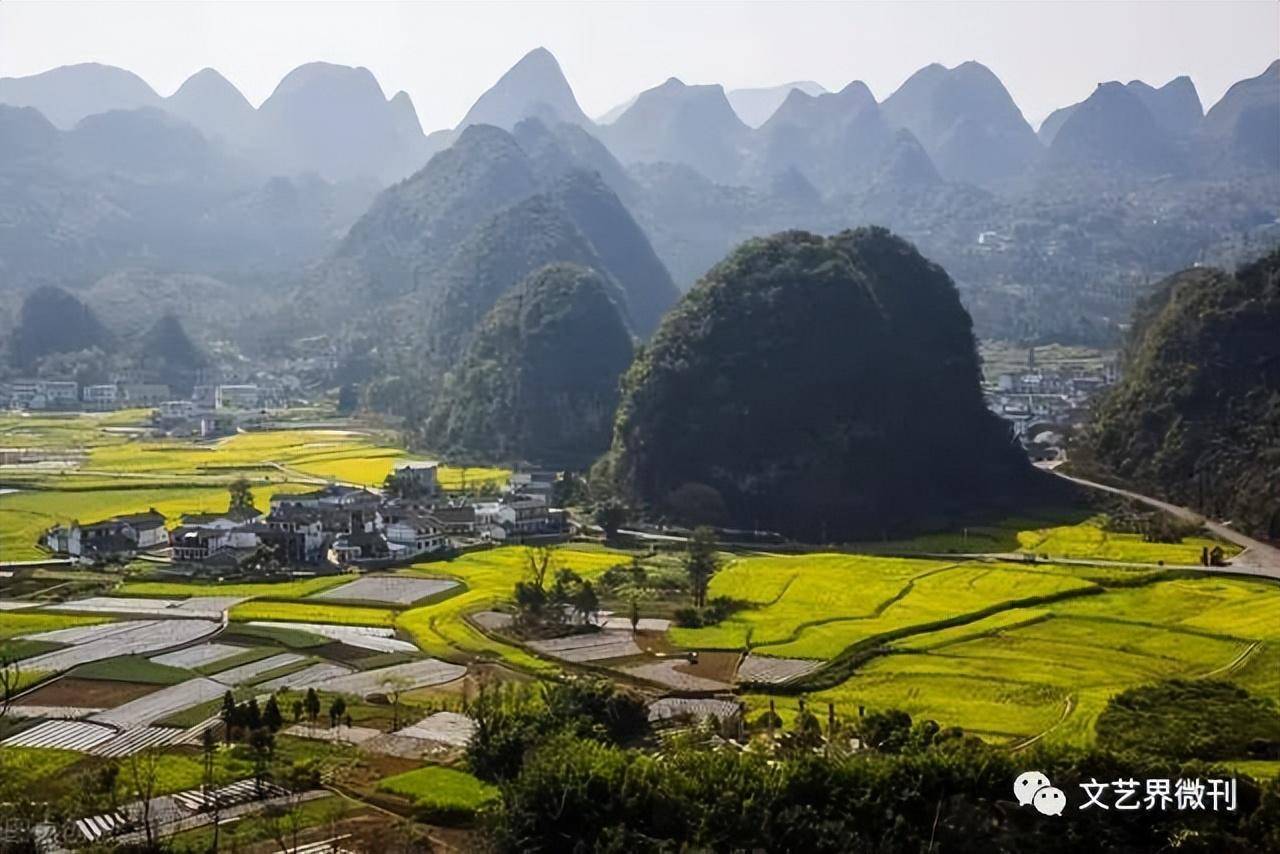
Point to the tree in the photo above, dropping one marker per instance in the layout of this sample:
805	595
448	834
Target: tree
610	516
251	716
230	716
142	768
635	615
271	717
586	603
887	731
209	784
262	745
10	682
348	398
394	687
336	710
312	705
700	563
241	496
296	708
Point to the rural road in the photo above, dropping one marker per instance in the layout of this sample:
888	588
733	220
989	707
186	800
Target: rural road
1258	558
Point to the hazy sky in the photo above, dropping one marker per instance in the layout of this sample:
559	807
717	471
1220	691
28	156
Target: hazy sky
445	54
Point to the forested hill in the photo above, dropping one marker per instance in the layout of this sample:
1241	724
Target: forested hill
826	388
540	378
1196	418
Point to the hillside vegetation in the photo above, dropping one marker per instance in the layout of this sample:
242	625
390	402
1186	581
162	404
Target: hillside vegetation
540	379
826	388
1197	417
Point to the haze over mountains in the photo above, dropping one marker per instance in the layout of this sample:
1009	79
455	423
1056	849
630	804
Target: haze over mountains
1048	236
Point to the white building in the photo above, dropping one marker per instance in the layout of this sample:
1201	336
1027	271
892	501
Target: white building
102	396
237	397
416	535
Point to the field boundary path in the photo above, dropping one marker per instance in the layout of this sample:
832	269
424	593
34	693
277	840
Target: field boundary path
1258	558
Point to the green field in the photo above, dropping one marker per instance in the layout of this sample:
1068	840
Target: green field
276	590
307	612
1058	538
439	789
815	606
117	473
1050	670
439	628
14	623
131	668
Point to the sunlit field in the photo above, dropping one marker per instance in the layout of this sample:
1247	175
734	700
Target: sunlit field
1049	670
440	628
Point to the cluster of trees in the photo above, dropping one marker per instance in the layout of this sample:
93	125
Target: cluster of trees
511	720
552	597
912	786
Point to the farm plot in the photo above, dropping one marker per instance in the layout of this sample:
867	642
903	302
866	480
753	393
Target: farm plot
142	738
162	703
78	736
970	590
416	674
297	589
763	668
444	727
72	692
198	656
112	640
312	612
206	607
1089	540
670	674
392	589
669	708
596	646
247	672
1051	669
440	628
784	593
366	637
29	624
310	677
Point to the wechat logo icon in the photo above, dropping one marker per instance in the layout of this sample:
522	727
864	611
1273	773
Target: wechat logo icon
1034	788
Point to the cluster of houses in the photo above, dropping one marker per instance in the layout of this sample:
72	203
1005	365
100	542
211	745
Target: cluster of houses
335	525
128	391
1043	404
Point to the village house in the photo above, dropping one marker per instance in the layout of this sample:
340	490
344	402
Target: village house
119	536
237	397
415	534
533	482
418	478
459	520
100	397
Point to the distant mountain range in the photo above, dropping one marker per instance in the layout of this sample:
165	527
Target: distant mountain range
1047	235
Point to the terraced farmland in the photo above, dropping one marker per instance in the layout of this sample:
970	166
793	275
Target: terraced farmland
440	628
816	606
1049	670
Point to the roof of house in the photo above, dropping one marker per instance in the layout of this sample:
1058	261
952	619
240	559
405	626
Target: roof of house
238	515
466	513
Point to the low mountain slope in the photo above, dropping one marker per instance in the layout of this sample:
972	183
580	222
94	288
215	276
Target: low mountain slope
539	381
827	388
1196	418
